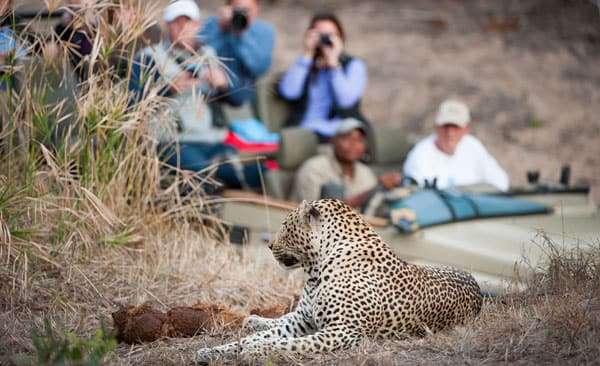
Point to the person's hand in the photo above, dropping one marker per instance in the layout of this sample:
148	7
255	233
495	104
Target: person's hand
50	50
332	53
215	78
184	82
224	15
310	43
390	180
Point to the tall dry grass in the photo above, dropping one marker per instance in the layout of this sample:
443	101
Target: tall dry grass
90	219
554	320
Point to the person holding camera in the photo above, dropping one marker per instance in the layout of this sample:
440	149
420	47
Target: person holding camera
244	44
325	84
184	72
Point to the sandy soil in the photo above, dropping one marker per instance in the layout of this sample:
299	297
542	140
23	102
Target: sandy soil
529	70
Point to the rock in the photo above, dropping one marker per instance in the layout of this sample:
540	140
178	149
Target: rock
187	321
221	316
137	324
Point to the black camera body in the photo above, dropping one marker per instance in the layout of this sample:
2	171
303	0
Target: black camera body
239	19
325	40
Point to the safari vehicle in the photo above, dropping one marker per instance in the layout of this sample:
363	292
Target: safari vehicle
501	250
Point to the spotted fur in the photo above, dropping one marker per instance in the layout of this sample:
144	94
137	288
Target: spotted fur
356	287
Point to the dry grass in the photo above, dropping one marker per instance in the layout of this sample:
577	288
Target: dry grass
93	224
555	321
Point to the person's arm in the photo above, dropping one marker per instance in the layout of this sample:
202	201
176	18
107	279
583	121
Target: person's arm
254	47
143	76
412	167
292	83
358	199
348	84
211	35
139	77
493	172
368	181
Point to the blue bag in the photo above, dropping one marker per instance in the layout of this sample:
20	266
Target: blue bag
430	207
253	130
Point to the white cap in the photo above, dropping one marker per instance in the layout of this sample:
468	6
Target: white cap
348	124
187	8
453	112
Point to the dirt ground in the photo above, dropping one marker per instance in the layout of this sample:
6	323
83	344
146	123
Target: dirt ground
529	70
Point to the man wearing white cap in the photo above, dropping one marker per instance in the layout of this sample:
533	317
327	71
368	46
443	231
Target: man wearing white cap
341	166
451	156
182	70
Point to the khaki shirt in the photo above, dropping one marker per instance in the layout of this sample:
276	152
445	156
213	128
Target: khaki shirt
324	168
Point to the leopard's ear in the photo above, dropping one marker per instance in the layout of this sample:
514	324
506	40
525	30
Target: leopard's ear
309	215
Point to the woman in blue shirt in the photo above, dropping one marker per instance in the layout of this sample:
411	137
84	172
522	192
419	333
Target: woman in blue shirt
324	85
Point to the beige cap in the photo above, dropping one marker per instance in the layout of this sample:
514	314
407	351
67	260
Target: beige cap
453	112
187	8
348	124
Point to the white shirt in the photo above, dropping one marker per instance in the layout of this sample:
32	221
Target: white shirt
470	164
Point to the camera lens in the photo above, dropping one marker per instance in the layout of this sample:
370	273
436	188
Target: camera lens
326	40
239	19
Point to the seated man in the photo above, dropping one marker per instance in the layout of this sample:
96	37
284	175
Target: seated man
341	165
451	156
245	45
180	69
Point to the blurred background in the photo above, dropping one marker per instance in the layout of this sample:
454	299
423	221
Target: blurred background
529	70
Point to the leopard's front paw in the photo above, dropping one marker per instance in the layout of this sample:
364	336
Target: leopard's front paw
257	323
203	356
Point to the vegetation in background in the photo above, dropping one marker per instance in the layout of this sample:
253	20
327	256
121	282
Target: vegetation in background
536	123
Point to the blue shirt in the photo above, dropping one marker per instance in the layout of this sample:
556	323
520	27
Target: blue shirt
248	56
8	44
345	86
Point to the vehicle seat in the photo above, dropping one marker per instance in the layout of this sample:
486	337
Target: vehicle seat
295	147
272	109
388	147
241	112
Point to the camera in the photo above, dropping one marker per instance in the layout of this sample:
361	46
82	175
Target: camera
239	19
325	39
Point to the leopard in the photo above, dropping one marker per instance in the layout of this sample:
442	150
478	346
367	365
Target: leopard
355	288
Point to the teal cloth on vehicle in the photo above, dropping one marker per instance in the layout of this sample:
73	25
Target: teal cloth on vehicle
430	207
253	130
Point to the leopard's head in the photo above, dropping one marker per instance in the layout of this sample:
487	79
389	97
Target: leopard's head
296	244
310	229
